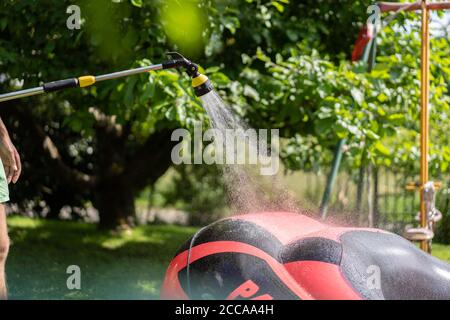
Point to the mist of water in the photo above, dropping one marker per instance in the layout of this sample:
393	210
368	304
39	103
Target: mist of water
248	190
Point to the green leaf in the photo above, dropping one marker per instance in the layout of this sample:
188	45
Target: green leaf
171	113
220	79
381	111
324	125
397	118
128	98
149	90
251	93
382	149
372	135
382	97
357	95
212	69
136	3
279	6
231	23
261	56
444	166
3	24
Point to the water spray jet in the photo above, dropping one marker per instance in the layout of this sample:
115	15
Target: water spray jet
201	84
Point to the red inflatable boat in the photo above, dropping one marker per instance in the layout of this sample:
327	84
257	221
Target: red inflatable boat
279	255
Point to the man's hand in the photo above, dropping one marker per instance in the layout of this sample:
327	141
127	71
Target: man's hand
10	158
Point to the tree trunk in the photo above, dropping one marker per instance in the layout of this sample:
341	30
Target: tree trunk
121	166
122	174
114	200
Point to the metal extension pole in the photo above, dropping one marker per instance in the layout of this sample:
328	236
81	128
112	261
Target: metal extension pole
127	73
80	82
21	94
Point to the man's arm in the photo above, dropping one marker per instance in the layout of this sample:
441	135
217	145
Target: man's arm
9	155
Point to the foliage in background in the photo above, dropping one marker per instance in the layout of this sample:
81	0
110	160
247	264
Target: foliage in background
198	190
280	64
443	226
315	103
103	145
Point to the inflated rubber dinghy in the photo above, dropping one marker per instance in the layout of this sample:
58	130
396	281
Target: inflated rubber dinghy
278	255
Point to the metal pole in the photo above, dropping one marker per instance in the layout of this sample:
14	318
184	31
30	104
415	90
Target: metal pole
332	178
424	117
76	82
395	6
21	94
127	73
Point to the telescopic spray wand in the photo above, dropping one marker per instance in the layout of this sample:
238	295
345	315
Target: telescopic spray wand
200	82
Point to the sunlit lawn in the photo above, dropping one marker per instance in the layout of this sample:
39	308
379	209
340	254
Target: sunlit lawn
442	251
113	266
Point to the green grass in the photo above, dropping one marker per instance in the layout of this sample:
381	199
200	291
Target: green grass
113	266
441	251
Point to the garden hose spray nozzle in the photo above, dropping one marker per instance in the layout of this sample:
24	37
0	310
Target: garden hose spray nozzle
200	83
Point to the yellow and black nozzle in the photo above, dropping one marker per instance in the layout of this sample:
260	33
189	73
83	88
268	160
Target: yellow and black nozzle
201	85
200	82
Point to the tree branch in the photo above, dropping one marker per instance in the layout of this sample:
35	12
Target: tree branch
105	121
71	176
151	160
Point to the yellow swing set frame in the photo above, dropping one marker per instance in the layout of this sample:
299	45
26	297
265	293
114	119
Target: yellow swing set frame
425	7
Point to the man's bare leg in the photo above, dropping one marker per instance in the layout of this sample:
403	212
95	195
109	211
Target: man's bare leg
4	247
